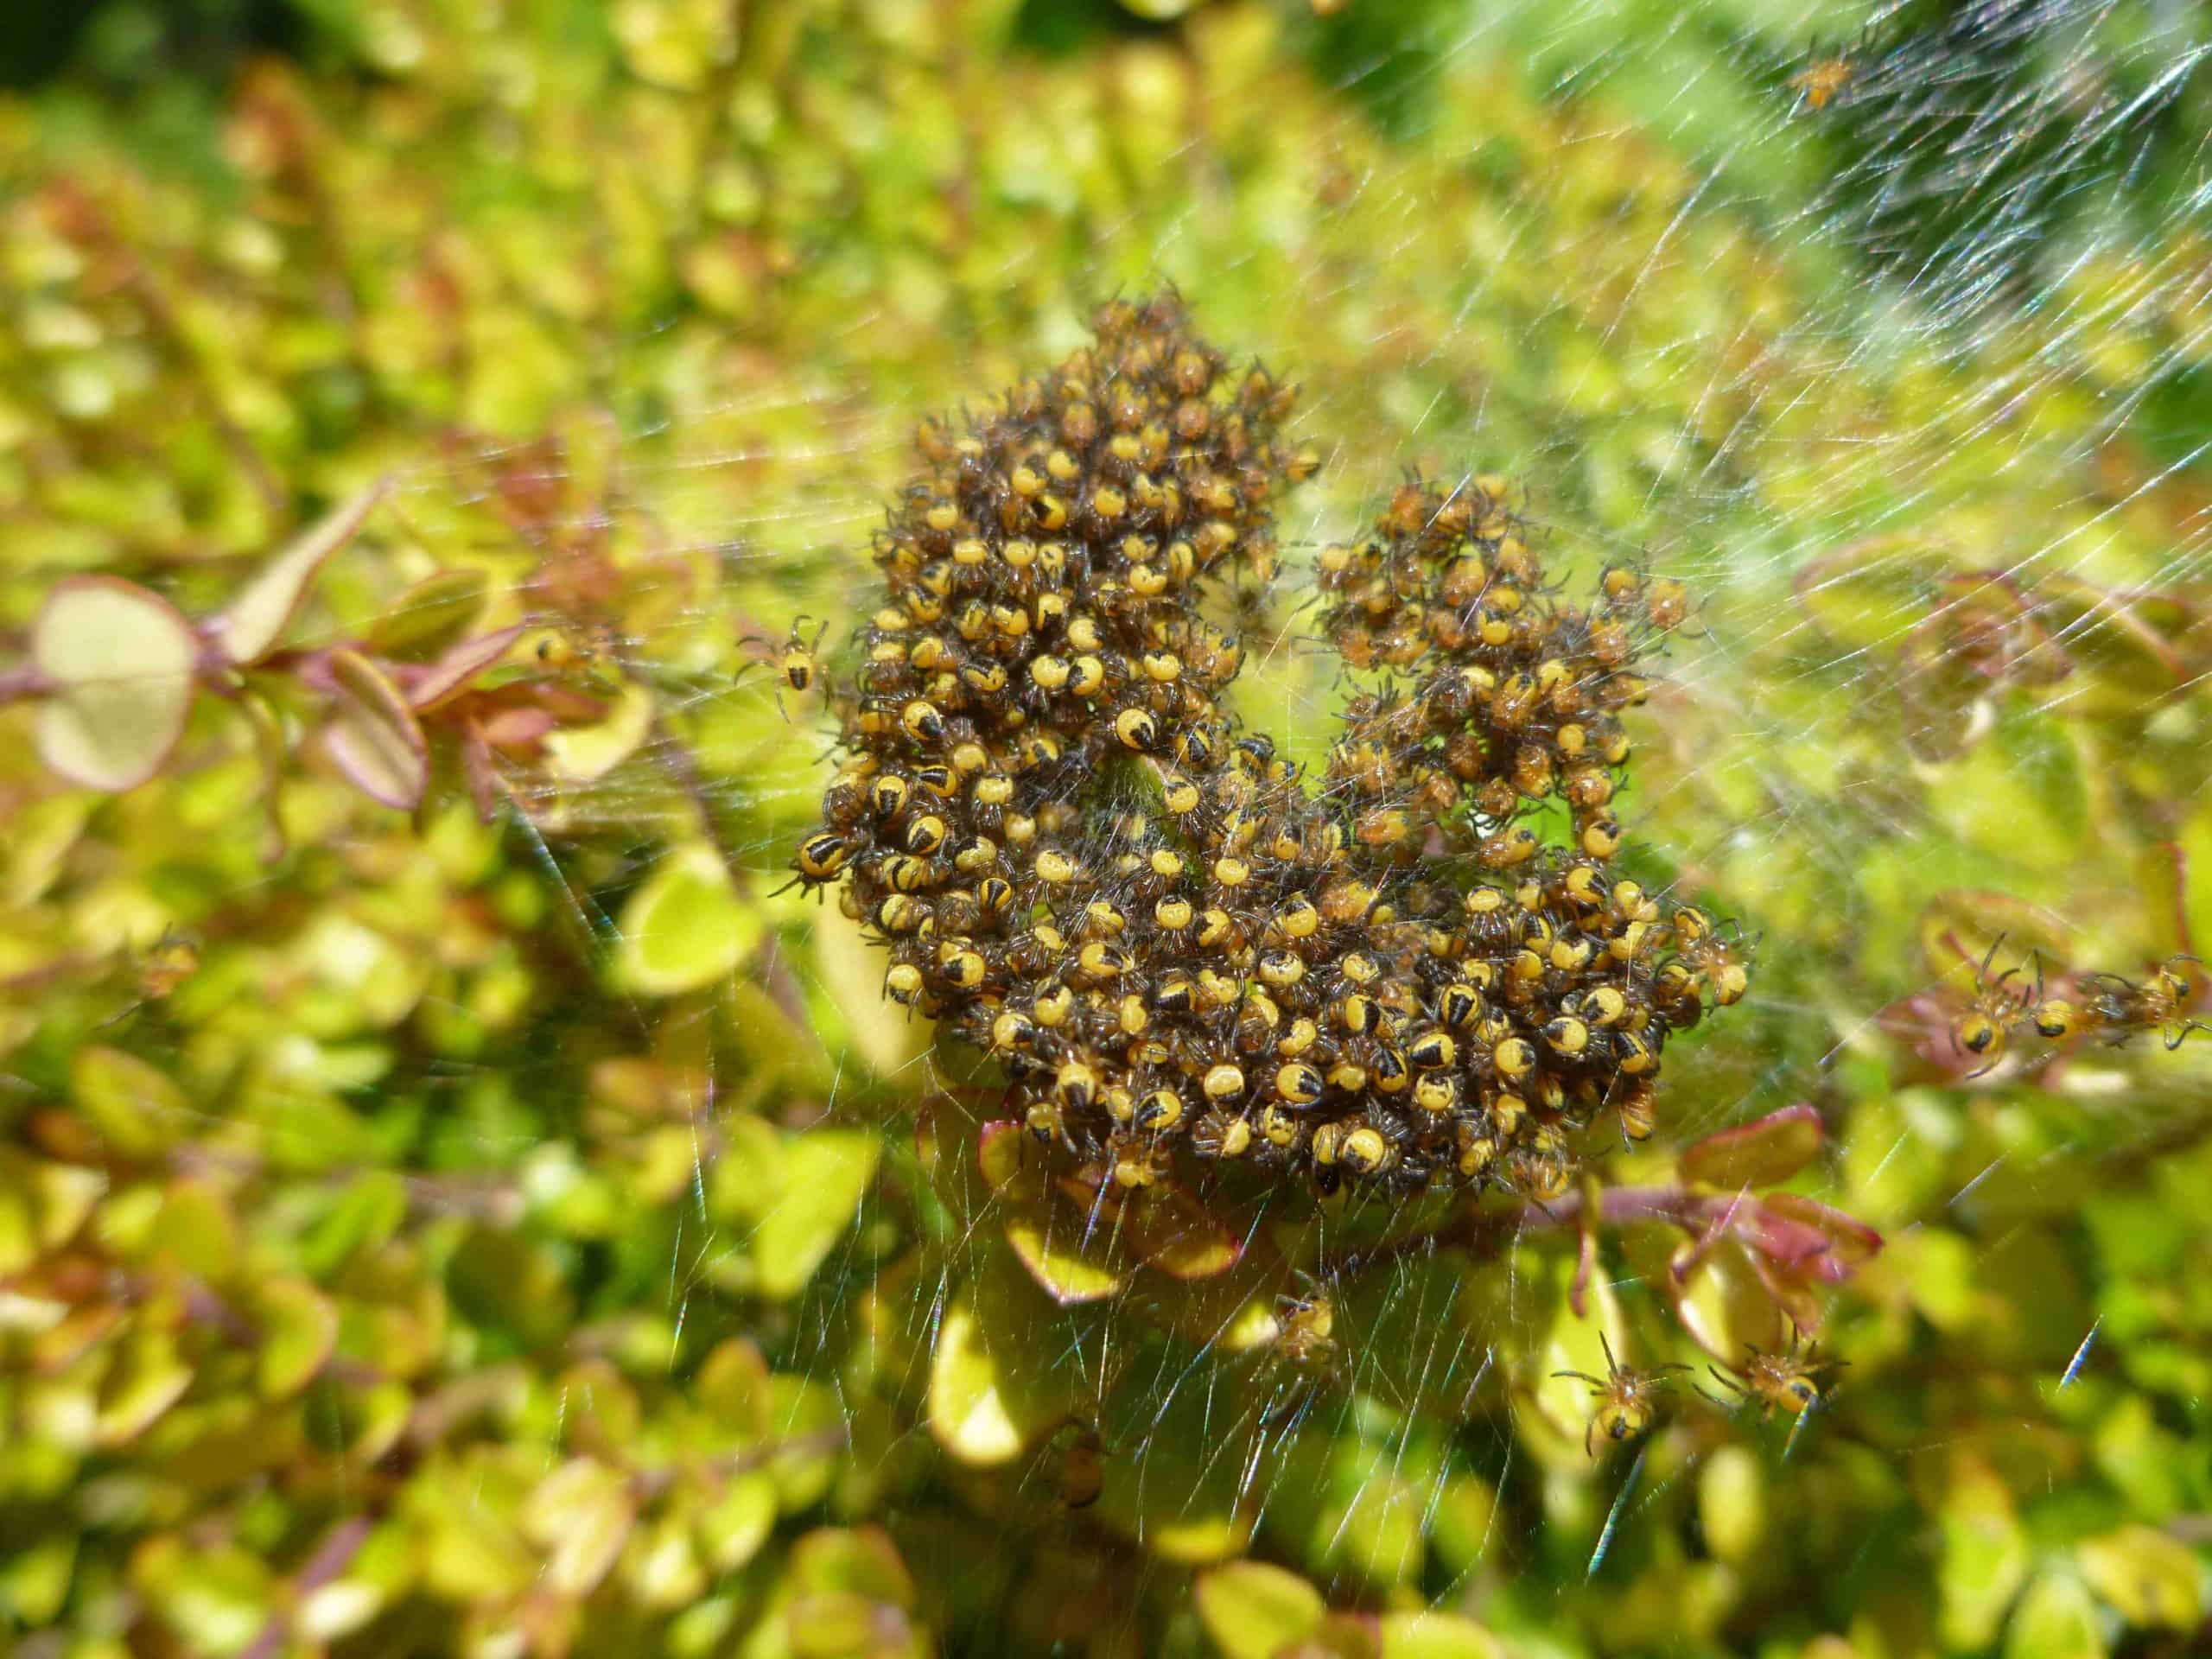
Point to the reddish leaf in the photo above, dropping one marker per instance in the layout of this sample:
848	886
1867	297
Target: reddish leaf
1849	1243
373	736
1763	1153
449	676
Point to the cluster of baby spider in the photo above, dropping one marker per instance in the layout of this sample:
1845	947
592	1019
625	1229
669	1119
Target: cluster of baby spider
1177	946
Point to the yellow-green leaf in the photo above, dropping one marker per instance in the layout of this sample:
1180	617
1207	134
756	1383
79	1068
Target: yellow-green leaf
1252	1609
136	1107
1437	1636
299	1328
583	755
1871	594
119	661
686	928
2150	1578
1071	1269
582	1515
825	1174
429	617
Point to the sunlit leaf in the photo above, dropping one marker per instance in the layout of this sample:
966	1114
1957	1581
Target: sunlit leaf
119	661
1069	1268
826	1174
253	623
733	1525
582	1515
1731	1503
149	1377
135	1106
1723	1303
373	736
1174	1232
2153	1580
1437	1636
1985	1553
860	1561
1765	1153
2057	1619
686	928
299	1328
1252	1609
582	754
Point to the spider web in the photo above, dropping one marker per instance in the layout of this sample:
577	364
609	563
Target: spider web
1788	339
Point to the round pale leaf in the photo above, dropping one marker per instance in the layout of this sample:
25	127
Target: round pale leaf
120	662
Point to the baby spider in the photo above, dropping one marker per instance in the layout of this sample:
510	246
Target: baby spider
1082	1467
1787	1379
796	668
1998	1006
2160	1004
1625	1398
1307	1327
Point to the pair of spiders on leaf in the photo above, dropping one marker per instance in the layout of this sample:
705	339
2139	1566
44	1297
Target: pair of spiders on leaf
1787	1380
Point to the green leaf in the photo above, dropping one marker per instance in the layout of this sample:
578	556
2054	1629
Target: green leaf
582	1515
859	1560
733	1527
1731	1503
253	623
2056	1619
1985	1557
148	1378
1070	1269
1173	1233
1252	1609
34	1582
583	754
1763	1153
373	736
217	1600
1437	1636
686	928
431	617
1874	593
119	661
138	1110
2152	1579
299	1328
826	1174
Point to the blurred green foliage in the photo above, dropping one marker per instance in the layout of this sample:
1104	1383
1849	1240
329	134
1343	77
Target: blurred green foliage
535	1236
